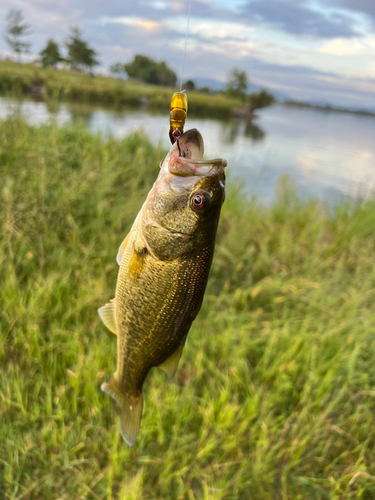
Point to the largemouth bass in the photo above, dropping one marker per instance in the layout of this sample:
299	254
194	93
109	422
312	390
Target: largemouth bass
164	264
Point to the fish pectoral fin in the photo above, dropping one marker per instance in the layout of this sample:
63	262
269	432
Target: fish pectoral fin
130	410
107	315
170	365
137	258
122	249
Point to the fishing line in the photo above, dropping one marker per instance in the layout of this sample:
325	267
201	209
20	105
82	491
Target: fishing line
187	30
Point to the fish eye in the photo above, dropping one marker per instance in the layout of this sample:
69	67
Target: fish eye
199	201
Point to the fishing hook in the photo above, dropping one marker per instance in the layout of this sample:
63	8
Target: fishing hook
179	147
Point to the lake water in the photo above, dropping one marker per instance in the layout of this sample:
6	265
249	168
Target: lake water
330	155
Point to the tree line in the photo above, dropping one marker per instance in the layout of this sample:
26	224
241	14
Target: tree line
81	57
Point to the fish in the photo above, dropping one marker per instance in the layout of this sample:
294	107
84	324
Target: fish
164	265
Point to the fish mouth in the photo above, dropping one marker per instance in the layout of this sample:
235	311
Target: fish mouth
190	162
191	144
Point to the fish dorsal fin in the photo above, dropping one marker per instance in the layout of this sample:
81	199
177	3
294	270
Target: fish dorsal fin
107	315
122	249
170	365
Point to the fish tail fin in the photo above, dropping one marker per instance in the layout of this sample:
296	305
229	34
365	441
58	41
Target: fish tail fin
130	410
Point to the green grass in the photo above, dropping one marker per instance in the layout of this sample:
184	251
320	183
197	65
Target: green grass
67	85
275	393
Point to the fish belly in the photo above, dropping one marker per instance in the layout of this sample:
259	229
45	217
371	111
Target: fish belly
154	312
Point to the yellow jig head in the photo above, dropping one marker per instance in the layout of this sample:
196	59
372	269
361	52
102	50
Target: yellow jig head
177	115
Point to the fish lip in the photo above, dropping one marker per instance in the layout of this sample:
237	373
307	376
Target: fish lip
184	167
215	162
191	162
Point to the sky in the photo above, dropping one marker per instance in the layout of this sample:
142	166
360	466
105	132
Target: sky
320	51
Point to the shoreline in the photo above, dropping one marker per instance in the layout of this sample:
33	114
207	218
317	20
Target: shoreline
64	85
327	108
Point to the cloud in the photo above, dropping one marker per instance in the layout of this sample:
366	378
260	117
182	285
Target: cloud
156	9
310	49
366	7
303	83
299	19
344	47
144	24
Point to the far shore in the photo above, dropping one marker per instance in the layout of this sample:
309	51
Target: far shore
326	108
57	85
60	85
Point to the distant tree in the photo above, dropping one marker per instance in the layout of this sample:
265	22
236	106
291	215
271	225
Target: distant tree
16	29
80	55
188	85
117	69
150	71
258	100
237	84
50	55
205	90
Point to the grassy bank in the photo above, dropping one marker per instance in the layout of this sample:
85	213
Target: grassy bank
66	85
275	393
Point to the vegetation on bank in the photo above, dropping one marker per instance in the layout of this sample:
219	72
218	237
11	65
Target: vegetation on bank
146	70
81	58
67	85
274	396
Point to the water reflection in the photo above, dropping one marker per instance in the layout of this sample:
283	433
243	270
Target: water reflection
84	113
328	154
52	107
235	128
230	131
253	131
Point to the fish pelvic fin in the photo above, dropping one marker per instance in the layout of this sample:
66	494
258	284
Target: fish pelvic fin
170	365
107	315
130	410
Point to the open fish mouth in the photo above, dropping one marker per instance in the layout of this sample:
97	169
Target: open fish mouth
204	168
190	162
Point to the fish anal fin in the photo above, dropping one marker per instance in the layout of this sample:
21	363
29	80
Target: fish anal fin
130	410
107	315
170	365
122	249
